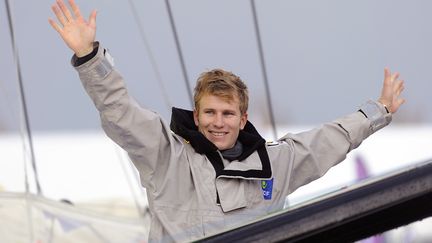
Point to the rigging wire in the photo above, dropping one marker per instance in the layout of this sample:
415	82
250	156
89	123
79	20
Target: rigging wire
179	51
141	209
150	55
263	68
26	126
23	104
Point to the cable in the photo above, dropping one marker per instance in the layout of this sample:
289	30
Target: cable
26	124
263	68
150	55
23	101
179	51
141	210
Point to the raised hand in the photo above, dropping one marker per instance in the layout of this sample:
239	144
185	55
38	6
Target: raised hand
390	93
77	33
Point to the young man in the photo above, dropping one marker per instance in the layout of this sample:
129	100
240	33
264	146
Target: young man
210	169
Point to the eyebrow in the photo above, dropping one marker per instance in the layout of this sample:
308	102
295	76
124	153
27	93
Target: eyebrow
224	110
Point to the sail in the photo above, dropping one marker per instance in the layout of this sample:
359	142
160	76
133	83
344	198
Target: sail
30	218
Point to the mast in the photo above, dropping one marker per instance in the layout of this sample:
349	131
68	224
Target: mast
26	123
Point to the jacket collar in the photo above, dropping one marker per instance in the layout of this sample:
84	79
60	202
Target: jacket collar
182	123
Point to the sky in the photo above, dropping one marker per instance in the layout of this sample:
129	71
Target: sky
323	59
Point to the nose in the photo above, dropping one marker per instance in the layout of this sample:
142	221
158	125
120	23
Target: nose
218	121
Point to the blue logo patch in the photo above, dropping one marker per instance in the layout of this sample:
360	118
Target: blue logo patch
267	187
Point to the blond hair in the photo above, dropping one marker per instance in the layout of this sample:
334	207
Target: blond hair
223	84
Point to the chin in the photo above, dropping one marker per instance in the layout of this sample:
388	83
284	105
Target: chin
224	147
221	146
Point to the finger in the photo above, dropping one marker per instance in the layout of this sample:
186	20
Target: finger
65	10
75	9
387	77
92	19
55	25
398	85
395	76
59	15
387	73
399	91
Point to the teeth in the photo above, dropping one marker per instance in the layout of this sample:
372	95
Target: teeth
218	133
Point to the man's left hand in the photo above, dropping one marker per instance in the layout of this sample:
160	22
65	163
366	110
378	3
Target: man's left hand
391	91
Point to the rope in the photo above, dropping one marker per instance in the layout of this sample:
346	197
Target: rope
23	104
179	51
140	209
150	55
263	68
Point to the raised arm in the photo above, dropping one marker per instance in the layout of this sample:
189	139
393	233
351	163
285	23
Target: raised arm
76	32
141	132
316	151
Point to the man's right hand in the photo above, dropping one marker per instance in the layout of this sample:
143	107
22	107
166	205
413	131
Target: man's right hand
76	32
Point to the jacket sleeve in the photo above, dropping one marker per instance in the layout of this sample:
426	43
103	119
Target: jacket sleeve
141	132
314	152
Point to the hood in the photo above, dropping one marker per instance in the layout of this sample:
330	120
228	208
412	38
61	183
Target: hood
182	123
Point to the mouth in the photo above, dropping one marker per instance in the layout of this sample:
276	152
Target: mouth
218	134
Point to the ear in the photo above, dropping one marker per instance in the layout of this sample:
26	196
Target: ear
195	115
243	120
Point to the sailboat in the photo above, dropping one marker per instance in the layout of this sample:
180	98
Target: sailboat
77	186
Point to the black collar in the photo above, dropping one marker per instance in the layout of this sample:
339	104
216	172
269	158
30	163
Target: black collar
182	123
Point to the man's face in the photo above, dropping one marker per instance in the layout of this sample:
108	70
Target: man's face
220	121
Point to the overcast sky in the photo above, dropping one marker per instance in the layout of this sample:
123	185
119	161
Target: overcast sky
323	58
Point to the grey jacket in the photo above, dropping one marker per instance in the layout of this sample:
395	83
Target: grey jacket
193	191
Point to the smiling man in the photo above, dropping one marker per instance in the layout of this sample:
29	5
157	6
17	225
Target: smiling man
210	169
221	101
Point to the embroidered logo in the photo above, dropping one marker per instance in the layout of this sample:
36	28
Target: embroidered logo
267	187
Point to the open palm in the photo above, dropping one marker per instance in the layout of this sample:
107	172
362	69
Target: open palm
76	32
391	91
